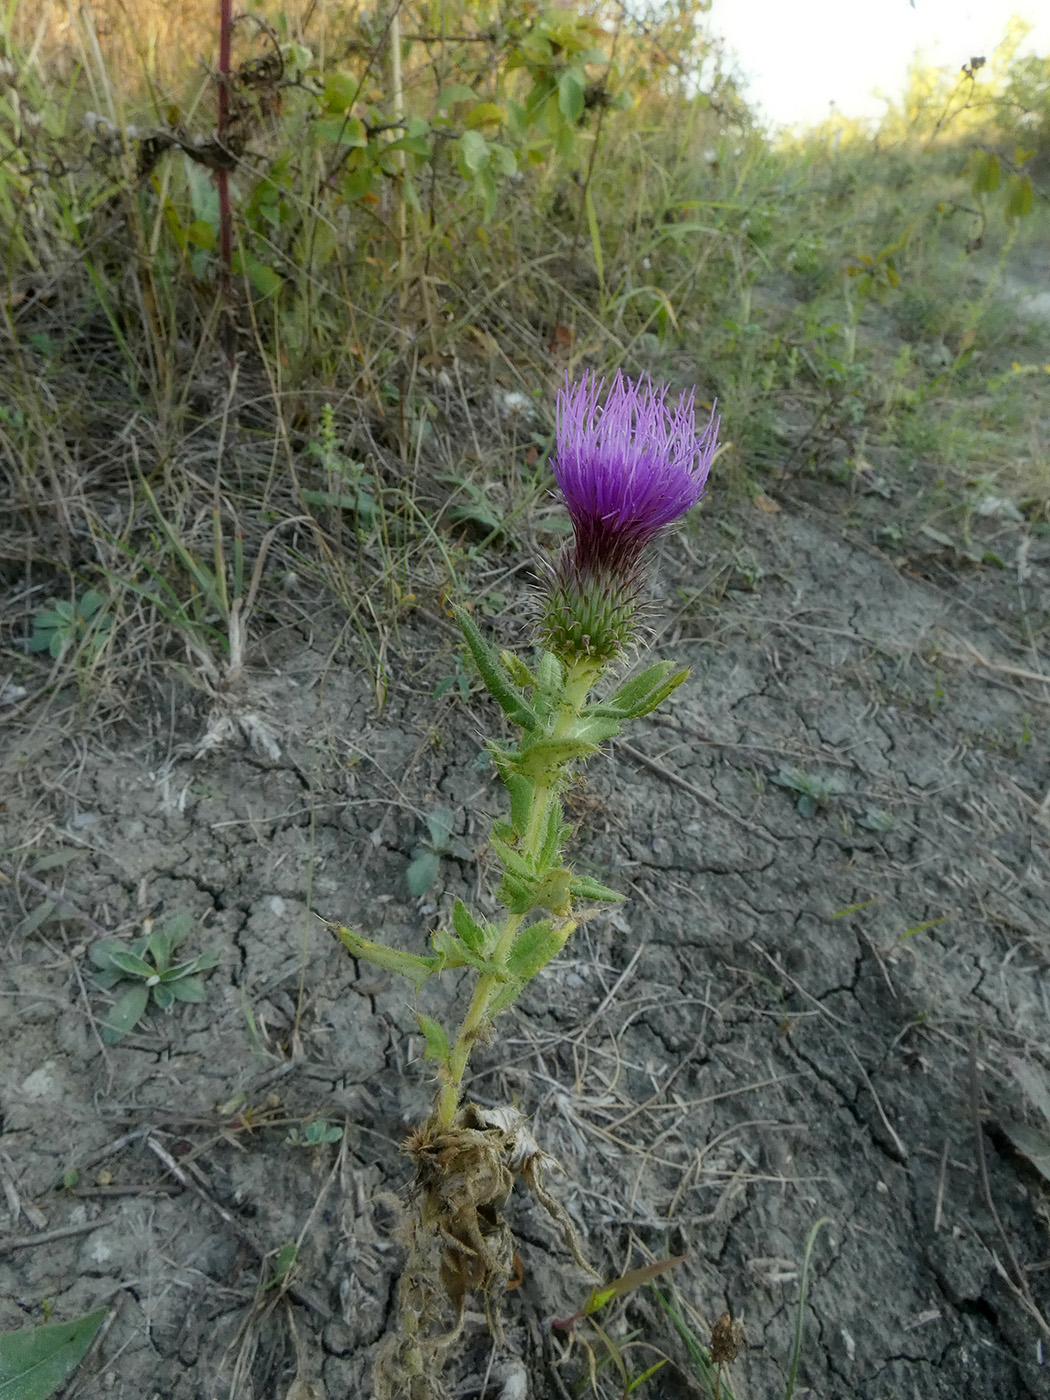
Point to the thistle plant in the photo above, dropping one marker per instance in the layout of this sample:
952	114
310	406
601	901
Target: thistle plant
628	465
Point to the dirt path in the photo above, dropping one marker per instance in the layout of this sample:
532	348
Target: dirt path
794	1016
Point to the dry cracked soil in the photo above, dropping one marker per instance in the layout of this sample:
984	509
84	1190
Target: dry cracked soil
835	1010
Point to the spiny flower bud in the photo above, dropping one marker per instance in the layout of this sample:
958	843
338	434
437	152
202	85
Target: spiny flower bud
627	468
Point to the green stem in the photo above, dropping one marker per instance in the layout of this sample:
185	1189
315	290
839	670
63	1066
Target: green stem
581	677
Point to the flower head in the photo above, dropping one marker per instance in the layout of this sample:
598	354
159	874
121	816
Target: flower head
627	468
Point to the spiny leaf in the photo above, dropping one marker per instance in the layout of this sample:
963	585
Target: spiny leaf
583	887
659	694
437	1040
534	947
417	969
635	690
469	930
494	674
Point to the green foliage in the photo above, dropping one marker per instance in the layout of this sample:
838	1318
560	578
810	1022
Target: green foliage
428	855
37	1360
67	626
315	1134
813	791
150	964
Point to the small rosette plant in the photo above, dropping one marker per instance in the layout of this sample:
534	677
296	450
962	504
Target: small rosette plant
628	465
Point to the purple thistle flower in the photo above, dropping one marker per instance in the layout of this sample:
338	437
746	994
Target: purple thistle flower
627	468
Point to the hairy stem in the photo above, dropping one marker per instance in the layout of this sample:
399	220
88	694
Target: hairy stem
580	679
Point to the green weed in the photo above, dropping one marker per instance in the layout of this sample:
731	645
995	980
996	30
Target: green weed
149	964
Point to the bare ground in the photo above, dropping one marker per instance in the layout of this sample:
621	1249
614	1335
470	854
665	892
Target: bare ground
792	1017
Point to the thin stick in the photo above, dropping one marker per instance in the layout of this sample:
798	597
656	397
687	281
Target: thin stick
66	1232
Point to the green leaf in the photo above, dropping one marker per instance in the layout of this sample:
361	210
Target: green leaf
518	893
485	186
284	1261
1019	200
53	861
516	668
126	1013
485	114
583	887
35	1361
455	92
521	790
503	158
130	964
164	995
637	689
512	859
58	644
203	962
437	1040
344	131
539	756
440	823
42	914
264	279
473	152
202	235
553	890
423	872
179	928
417	969
456	953
550	675
340	90
534	947
48	620
595	729
99	952
571	94
493	673
185	989
470	931
360	503
659	694
986	173
89	604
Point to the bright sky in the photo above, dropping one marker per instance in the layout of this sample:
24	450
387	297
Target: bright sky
800	55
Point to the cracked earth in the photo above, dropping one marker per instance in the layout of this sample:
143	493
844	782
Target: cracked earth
792	1017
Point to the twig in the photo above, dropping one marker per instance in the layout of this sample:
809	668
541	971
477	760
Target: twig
798	985
902	1151
246	1238
65	1232
975	657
